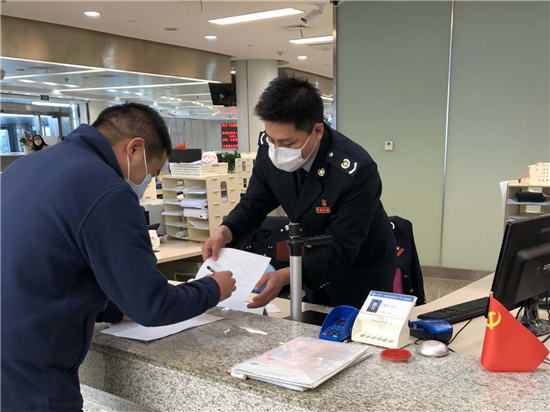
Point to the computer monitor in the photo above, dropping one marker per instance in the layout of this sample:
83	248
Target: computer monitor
223	94
523	270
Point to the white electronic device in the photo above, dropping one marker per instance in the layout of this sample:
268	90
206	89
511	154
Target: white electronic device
383	320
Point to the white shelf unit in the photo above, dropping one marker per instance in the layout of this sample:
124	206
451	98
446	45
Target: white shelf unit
243	169
221	193
524	210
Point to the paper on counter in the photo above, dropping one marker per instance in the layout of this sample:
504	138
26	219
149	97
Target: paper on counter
272	308
247	270
133	330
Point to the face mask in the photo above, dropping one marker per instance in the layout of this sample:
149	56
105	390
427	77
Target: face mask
286	159
139	189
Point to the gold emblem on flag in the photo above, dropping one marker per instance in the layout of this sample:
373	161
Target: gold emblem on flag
491	324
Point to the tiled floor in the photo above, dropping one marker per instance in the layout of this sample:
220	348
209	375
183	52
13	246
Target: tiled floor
438	287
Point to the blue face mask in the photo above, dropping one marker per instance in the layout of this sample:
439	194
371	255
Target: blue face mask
139	189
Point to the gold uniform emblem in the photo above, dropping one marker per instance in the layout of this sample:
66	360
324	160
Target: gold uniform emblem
345	164
321	172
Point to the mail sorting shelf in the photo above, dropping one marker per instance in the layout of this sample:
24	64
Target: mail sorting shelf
221	193
243	169
517	211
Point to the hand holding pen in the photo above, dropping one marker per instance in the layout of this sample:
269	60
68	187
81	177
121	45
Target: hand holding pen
225	281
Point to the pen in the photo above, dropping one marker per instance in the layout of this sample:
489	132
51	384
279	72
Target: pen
211	270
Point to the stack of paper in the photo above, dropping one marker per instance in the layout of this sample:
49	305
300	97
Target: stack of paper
301	364
172	202
198	213
173	189
178	213
195	191
194	203
199	224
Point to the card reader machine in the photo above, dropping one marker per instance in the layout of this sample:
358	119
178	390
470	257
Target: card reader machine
337	325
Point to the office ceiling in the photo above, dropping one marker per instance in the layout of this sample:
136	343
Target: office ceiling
267	39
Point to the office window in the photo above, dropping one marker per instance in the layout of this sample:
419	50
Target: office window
12	128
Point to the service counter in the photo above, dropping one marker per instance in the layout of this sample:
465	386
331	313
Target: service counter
188	372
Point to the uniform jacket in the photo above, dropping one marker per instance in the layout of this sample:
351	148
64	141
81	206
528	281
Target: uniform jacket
74	239
407	259
340	197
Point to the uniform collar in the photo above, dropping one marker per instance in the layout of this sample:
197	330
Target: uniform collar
319	162
89	138
307	166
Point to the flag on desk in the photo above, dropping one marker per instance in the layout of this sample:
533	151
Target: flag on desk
509	346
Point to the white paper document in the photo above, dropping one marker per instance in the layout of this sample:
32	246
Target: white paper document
198	213
133	330
178	213
199	190
194	203
247	270
199	224
301	364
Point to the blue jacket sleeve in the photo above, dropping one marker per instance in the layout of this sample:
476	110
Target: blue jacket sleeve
112	314
114	239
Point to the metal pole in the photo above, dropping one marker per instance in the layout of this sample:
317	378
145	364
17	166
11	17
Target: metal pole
296	288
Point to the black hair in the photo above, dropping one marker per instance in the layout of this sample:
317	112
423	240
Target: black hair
291	100
37	148
130	120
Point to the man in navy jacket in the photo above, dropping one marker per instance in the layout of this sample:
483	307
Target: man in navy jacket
75	245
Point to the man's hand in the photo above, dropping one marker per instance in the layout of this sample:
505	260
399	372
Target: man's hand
274	282
226	282
221	237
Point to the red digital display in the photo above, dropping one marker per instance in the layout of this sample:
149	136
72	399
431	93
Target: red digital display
230	137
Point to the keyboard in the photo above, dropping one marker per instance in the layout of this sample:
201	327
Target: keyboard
461	312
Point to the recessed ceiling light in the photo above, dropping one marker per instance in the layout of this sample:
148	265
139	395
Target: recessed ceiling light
164	97
179	100
139	94
256	16
210	37
72	86
172	98
311	40
171	29
112	91
124	91
302	57
92	13
51	84
26	81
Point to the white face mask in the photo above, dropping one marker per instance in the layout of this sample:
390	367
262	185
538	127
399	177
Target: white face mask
139	189
287	159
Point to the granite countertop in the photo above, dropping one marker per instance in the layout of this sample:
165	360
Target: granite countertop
456	382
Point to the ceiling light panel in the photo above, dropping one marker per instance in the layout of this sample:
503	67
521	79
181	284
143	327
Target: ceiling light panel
313	40
256	16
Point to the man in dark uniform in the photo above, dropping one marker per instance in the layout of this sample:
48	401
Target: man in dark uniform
327	183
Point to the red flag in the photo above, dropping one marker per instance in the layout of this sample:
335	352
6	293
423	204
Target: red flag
509	346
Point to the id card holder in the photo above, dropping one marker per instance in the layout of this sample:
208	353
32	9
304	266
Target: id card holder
383	320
